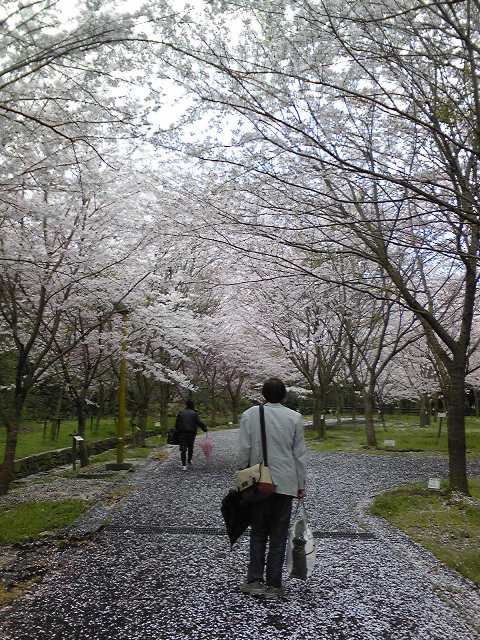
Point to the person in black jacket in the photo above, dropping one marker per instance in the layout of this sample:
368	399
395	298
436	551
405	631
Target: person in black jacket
186	425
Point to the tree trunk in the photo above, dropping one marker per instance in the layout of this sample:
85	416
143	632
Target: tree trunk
58	413
7	467
81	430
339	403
234	393
141	432
457	456
381	415
164	398
235	410
354	406
318	415
424	410
100	408
132	423
113	403
213	411
369	406
81	419
435	408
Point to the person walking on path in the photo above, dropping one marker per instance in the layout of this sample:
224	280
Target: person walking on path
270	518
186	425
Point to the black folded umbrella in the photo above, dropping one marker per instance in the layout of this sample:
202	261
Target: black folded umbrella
235	514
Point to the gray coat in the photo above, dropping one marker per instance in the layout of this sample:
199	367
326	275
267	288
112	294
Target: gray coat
286	449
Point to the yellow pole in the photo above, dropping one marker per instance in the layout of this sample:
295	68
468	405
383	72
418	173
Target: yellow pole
122	393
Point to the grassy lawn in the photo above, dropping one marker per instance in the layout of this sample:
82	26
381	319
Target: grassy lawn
130	452
447	525
404	430
31	518
31	438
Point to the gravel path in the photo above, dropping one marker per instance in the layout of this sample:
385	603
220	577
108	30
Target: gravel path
145	584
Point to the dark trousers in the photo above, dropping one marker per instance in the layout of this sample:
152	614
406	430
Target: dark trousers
187	440
270	521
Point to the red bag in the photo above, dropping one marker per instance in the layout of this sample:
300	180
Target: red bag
207	446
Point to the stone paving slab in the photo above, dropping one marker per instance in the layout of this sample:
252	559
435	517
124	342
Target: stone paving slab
151	586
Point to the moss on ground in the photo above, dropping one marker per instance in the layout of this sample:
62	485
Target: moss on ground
28	520
7	596
446	524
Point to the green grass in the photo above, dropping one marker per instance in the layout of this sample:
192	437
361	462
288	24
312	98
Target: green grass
130	452
447	525
404	429
29	519
31	441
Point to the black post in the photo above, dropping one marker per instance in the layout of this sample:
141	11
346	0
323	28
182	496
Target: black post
440	421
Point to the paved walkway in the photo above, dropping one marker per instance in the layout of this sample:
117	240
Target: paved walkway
138	581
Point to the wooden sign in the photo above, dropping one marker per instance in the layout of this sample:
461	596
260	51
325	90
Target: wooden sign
389	443
434	483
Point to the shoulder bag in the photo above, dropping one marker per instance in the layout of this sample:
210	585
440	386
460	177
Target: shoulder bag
255	483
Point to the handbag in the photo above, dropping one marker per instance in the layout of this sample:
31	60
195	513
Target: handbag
255	482
301	549
172	437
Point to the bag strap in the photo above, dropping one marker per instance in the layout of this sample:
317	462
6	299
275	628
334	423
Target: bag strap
264	435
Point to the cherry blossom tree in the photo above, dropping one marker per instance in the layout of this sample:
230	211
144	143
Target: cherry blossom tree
376	331
300	318
358	121
61	255
163	334
413	375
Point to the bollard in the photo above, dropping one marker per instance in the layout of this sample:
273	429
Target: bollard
76	441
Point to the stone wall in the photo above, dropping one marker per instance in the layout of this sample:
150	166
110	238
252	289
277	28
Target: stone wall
50	459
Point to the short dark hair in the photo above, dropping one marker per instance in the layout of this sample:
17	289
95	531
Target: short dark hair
274	390
189	404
